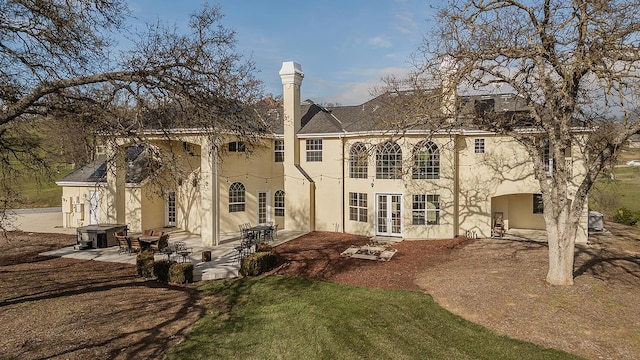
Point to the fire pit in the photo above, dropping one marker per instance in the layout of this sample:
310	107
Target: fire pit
370	252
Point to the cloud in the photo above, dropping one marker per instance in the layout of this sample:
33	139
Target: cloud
404	22
358	92
379	42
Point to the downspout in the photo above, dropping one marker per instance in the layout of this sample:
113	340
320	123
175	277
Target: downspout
342	213
216	184
456	185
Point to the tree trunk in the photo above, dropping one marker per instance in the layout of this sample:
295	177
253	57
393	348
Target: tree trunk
561	240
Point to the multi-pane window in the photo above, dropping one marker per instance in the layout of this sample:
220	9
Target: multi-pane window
389	161
314	150
358	207
236	197
237	146
547	158
278	150
358	161
478	146
425	210
426	161
278	202
538	204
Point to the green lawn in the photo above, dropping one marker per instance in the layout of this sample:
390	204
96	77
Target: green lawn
40	190
282	317
623	190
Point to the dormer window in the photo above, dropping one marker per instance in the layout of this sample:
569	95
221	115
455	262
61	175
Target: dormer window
237	146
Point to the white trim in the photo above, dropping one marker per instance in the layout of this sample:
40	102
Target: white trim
468	132
80	183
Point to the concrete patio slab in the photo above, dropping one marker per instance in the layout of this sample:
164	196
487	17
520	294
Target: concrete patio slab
223	264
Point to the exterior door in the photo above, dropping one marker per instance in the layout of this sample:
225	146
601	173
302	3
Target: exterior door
170	209
94	207
389	215
263	207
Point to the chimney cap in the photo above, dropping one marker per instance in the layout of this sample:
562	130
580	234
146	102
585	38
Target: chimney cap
291	73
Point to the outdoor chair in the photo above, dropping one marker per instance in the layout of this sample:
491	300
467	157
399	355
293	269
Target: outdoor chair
135	244
147	232
239	253
498	225
162	243
270	234
182	250
123	244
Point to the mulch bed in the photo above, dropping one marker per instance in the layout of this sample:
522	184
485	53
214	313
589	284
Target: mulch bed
317	255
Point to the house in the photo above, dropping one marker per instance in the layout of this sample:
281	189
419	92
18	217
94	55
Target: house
357	169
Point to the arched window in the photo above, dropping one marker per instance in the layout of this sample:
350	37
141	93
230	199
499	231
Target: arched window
236	197
426	161
278	202
389	161
358	161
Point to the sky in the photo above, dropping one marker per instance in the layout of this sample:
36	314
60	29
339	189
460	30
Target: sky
345	47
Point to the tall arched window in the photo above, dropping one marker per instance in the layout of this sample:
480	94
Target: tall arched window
426	161
389	161
358	161
278	202
236	197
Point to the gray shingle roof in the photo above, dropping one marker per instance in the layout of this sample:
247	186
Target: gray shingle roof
140	166
390	112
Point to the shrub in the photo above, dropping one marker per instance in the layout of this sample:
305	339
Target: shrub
144	264
181	273
626	217
257	263
161	270
263	247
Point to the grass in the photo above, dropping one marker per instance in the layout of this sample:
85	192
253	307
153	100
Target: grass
42	191
283	317
608	194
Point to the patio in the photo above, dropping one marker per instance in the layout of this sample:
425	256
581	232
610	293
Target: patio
223	262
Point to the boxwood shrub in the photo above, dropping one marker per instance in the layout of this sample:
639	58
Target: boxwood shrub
258	262
181	273
144	264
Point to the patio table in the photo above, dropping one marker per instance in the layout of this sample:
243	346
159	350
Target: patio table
147	240
260	231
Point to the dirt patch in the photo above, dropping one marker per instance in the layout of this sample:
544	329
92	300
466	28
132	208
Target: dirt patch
500	284
74	309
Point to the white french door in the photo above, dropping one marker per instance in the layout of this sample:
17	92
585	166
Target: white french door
170	209
389	215
263	207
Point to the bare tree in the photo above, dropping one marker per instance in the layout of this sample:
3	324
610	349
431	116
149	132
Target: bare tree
574	63
59	63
